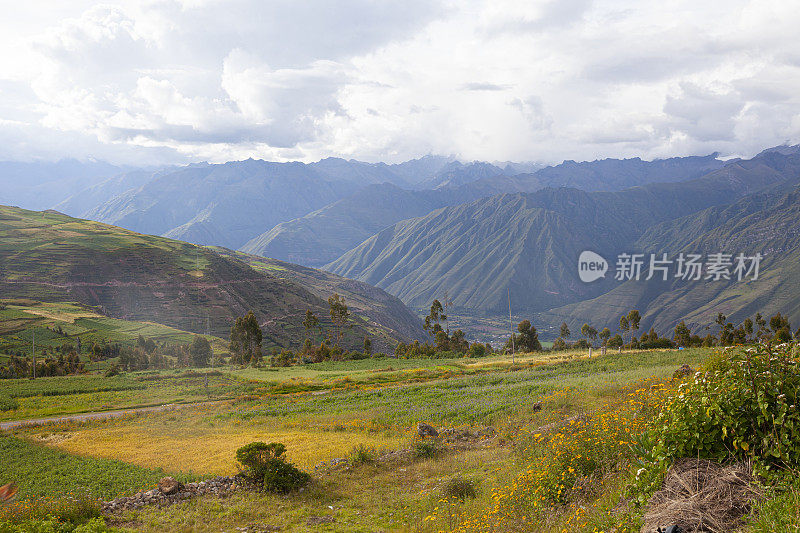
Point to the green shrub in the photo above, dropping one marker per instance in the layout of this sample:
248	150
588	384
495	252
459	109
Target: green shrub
7	403
284	358
459	489
265	465
53	525
744	407
362	454
112	371
426	450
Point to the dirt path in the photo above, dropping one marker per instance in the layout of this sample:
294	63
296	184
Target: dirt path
97	415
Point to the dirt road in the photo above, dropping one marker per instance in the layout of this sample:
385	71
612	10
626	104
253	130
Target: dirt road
12	424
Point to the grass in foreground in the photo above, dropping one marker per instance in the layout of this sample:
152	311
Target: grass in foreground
329	420
47	478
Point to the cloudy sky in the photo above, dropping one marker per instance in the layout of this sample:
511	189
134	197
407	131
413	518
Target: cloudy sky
188	80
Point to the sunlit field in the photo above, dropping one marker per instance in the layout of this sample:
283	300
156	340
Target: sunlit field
324	411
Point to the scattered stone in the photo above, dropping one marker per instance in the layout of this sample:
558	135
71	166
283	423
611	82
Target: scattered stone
169	485
425	430
336	463
171	491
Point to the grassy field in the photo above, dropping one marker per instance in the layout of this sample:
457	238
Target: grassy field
323	411
19	318
54	396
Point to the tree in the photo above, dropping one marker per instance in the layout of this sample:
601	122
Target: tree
310	322
476	349
605	335
589	332
762	326
339	315
458	342
748	327
634	317
442	341
564	331
367	346
432	325
720	321
682	336
778	322
528	337
200	350
246	338
779	325
624	326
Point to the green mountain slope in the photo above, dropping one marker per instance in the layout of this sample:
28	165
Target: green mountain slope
379	308
529	243
764	223
49	256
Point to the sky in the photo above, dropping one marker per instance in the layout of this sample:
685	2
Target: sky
177	81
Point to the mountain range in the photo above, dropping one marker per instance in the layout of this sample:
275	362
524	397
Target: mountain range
478	230
325	234
529	243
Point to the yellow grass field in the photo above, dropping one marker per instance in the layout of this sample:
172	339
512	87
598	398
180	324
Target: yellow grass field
182	442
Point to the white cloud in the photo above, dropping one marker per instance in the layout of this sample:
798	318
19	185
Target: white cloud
496	80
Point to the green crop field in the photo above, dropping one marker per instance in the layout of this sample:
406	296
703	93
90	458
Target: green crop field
20	318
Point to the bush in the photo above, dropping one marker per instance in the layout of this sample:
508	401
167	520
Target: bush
7	403
744	407
52	525
283	359
112	371
459	489
426	450
265	465
362	454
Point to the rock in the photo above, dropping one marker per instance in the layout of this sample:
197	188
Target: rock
169	485
537	406
425	430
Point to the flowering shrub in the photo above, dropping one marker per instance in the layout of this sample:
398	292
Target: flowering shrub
568	464
743	407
